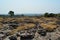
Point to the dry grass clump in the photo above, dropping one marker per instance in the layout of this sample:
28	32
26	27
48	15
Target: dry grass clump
48	27
52	23
25	26
16	30
51	19
1	25
1	19
19	19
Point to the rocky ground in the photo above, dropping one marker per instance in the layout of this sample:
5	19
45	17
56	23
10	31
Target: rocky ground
37	28
49	35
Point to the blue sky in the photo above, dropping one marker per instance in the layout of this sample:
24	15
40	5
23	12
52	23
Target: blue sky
29	6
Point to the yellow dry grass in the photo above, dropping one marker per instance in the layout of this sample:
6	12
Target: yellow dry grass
25	26
1	25
48	26
52	23
1	19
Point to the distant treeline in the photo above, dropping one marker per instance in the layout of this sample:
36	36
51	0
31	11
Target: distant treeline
43	15
11	14
51	15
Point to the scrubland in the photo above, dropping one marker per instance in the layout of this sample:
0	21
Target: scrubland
48	23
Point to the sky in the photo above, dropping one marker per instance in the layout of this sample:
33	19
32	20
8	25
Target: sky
29	6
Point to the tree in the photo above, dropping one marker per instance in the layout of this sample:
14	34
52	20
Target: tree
46	14
51	15
11	13
58	15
